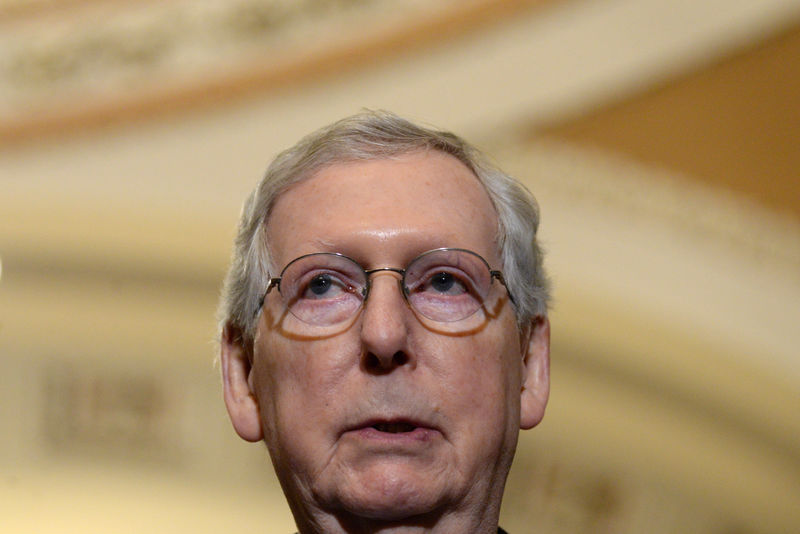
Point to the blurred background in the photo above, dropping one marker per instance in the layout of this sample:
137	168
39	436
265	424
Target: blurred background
661	139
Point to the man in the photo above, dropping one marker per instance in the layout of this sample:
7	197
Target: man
384	328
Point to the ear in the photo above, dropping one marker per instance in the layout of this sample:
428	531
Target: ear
239	398
535	373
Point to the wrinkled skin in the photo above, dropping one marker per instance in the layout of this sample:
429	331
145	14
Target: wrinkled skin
314	396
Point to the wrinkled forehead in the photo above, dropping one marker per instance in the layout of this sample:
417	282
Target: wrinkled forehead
413	203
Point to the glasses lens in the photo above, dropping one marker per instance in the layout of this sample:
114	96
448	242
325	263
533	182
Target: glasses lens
323	289
447	285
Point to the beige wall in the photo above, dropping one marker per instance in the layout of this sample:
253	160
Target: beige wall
675	368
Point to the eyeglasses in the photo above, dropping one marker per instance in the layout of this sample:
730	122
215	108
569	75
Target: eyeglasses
444	285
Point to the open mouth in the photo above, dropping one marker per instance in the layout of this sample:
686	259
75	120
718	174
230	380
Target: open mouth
390	431
394	427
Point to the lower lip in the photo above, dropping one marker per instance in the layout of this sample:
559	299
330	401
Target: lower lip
419	434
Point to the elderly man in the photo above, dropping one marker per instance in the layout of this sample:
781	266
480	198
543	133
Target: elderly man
384	328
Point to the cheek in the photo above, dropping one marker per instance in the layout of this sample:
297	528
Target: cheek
480	375
297	380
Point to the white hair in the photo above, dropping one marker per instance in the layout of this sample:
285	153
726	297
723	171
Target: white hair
374	135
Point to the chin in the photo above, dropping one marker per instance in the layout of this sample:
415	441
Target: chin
391	496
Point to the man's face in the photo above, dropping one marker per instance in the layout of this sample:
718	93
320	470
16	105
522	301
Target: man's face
391	415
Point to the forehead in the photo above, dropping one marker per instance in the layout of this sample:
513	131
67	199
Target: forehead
385	210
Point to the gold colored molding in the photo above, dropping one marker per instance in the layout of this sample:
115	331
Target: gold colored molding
17	10
60	76
731	125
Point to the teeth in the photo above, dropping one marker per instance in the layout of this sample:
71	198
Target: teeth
394	428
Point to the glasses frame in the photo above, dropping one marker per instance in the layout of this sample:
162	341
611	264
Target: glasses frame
493	274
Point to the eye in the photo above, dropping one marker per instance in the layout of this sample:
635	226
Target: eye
443	293
323	286
320	284
444	283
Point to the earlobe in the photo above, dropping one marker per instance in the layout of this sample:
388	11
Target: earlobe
239	397
535	373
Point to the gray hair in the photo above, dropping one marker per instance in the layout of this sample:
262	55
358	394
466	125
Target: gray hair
374	135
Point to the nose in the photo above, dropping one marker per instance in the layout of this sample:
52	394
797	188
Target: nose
384	327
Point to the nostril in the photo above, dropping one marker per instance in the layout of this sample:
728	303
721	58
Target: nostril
400	358
371	361
379	364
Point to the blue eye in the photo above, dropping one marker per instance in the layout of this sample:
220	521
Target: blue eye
445	283
320	284
442	282
323	286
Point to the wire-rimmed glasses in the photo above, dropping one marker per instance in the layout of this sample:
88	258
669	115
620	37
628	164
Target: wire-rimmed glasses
444	285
